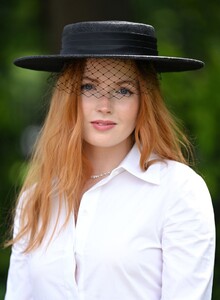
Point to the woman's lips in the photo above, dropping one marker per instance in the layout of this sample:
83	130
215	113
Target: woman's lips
103	124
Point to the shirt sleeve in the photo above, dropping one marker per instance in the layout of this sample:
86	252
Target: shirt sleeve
188	244
18	282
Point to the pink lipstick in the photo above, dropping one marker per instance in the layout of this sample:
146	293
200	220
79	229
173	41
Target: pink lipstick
103	125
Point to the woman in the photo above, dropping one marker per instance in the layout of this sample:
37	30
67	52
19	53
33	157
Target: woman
110	209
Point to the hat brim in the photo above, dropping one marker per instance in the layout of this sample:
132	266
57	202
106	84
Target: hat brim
55	63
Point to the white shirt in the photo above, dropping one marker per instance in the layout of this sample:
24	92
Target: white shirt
139	236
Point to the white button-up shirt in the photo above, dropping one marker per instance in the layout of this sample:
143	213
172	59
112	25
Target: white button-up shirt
139	236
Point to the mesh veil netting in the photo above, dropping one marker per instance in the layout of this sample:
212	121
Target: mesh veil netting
104	77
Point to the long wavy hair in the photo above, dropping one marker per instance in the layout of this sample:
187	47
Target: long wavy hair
58	164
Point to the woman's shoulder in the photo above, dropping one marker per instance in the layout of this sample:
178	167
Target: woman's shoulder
177	174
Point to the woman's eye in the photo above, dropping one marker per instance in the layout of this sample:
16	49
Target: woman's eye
124	92
87	87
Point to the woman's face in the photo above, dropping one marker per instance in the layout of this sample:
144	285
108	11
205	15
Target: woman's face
110	102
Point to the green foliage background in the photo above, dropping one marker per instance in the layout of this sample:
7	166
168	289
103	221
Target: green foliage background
186	27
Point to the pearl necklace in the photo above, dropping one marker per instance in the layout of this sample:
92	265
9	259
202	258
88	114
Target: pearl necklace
100	175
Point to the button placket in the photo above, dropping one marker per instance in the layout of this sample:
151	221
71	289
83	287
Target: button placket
85	218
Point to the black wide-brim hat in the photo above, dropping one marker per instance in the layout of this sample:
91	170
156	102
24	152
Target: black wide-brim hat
110	39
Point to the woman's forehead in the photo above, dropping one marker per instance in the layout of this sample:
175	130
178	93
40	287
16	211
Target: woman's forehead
110	68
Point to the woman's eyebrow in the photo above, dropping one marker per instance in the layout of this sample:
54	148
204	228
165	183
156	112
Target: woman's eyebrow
128	81
90	79
131	82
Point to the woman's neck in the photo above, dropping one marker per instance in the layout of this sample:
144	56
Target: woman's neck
105	159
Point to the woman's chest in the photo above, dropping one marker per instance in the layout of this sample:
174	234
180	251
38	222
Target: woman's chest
122	226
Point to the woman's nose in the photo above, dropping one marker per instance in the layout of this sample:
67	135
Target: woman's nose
104	104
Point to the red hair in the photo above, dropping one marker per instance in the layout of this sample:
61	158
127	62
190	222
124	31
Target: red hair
156	129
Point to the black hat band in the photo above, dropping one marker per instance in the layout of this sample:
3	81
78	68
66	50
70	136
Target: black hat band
105	43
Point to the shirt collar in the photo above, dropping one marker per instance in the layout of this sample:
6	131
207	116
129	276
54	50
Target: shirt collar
131	165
